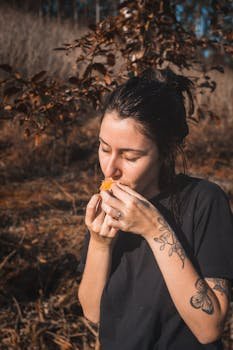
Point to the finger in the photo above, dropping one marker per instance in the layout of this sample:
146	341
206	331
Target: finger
121	192
113	223
109	210
108	199
122	195
106	229
98	221
113	232
98	206
91	209
139	200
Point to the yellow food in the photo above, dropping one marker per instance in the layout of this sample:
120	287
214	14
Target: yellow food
106	184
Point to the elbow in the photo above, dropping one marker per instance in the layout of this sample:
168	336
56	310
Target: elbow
89	311
209	335
91	316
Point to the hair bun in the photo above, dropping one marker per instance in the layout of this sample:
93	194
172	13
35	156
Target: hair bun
179	83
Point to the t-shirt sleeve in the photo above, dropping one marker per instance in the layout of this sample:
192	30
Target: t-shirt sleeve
213	232
84	249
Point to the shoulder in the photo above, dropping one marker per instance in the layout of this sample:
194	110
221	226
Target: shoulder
202	189
208	191
201	196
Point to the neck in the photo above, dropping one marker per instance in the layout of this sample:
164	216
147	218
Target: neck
151	192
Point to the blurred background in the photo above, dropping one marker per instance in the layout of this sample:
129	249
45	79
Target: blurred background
50	102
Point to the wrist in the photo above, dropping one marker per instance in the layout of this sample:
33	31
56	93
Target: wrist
152	229
101	243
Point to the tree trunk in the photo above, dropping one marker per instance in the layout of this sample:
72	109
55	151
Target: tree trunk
97	11
58	11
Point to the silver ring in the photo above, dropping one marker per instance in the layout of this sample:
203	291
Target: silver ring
118	215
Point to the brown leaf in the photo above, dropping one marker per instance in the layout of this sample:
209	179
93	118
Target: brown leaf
108	79
8	108
49	105
17	76
74	80
99	67
218	68
6	68
27	133
111	59
11	91
37	140
38	76
35	99
22	107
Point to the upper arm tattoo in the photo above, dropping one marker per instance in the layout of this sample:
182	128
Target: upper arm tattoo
168	238
201	299
221	285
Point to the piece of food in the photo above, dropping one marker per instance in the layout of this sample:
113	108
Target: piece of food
106	184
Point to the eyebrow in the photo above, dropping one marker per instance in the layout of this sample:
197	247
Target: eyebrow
126	149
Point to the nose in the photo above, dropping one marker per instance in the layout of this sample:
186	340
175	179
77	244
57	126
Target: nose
113	168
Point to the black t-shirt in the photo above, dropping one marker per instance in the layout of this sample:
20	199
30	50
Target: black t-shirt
137	312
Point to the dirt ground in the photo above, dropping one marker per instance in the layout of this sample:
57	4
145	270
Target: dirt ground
42	228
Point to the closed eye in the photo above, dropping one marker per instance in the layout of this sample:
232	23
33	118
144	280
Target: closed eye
128	159
105	150
131	159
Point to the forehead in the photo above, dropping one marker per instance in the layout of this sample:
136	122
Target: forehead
125	133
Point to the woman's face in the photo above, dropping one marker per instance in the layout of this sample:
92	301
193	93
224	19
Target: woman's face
126	155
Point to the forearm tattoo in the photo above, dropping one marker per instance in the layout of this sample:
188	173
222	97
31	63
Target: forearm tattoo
201	300
168	238
221	285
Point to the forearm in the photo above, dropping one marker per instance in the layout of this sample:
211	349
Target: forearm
195	301
95	275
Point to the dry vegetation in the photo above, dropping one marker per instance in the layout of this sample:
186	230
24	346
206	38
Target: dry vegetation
44	190
27	43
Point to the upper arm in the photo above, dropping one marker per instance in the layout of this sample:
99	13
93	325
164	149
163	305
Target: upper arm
222	289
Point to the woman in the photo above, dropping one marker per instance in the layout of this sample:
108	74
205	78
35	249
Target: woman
157	260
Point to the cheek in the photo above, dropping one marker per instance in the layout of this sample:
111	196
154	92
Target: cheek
102	159
146	171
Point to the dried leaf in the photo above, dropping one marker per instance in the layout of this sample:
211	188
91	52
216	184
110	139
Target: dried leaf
18	76
74	80
111	59
11	91
27	133
99	67
37	140
218	68
6	67
22	107
8	108
38	76
108	79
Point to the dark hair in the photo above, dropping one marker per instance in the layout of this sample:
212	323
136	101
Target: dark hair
156	101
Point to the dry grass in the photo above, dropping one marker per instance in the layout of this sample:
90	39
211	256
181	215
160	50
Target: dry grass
27	42
22	158
209	151
42	227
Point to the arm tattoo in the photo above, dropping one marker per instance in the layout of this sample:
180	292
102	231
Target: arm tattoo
221	285
168	238
201	300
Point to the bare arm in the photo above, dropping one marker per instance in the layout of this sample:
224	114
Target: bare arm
98	260
94	278
202	303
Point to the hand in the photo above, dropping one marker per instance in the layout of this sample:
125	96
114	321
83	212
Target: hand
97	222
137	214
